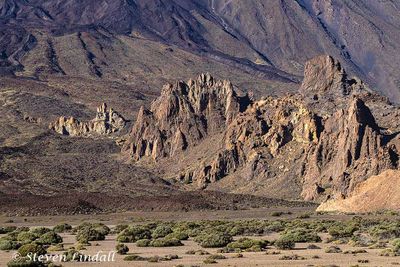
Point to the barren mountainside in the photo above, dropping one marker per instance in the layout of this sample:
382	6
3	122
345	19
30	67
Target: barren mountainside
195	104
269	39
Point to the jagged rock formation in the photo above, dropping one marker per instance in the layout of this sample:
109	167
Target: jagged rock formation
322	142
351	148
107	121
184	114
377	193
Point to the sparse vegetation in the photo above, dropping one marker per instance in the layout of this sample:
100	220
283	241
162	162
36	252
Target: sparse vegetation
122	249
333	249
62	228
213	239
32	248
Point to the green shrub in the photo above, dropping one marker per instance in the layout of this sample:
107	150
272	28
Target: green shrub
32	248
293	257
122	249
178	235
277	213
333	249
164	242
26	237
161	231
24	262
50	238
284	243
89	233
134	233
119	228
134	258
216	257
342	230
248	244
385	230
143	243
389	253
396	244
197	252
62	228
40	231
7	229
209	261
213	239
301	235
9	244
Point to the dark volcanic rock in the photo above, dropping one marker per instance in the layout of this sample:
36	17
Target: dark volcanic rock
270	39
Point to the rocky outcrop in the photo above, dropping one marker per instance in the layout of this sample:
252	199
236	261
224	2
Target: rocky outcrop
351	149
184	114
377	193
320	143
255	138
107	121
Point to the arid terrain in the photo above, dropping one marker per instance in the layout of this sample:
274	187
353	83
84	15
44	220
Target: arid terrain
193	132
341	240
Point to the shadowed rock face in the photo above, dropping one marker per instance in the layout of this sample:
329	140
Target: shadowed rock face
319	147
106	122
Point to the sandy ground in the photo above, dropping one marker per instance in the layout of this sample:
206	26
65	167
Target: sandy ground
249	258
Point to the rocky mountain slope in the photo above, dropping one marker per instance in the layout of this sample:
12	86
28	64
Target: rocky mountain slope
320	143
124	40
377	193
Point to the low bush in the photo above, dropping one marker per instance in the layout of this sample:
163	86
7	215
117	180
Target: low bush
143	243
178	235
40	230
90	233
248	244
50	238
389	252
134	233
216	257
122	249
161	231
342	230
277	213
301	235
333	249
119	228
62	228
354	252
197	252
7	229
312	246
9	244
32	248
292	257
284	243
134	258
26	237
25	262
213	239
164	242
